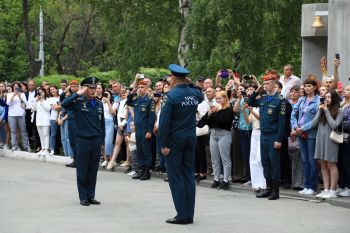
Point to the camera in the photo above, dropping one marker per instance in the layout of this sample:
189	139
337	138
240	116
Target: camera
244	93
157	94
247	77
321	100
245	99
224	73
142	76
105	95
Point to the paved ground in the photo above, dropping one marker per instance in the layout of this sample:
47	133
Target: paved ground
40	197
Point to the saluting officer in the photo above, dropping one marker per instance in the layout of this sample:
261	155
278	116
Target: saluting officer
272	107
144	118
177	130
89	120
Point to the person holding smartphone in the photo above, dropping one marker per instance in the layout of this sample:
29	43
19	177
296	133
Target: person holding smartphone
16	116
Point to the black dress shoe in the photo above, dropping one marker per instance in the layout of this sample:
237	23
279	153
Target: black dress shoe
264	193
179	221
93	201
84	203
199	178
215	184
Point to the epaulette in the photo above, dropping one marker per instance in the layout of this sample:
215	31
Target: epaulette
80	98
280	97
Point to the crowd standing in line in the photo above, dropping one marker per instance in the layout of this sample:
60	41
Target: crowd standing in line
282	132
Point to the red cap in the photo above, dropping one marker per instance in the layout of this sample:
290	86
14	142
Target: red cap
74	82
269	77
142	82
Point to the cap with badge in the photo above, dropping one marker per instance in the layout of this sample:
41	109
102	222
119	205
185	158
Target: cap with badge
178	70
200	79
90	82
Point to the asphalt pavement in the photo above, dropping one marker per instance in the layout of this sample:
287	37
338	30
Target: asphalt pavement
41	197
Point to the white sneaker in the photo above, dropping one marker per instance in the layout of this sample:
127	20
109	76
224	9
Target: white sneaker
309	192
321	194
52	152
6	147
131	173
345	193
303	191
339	190
104	163
248	184
46	153
330	195
111	165
40	153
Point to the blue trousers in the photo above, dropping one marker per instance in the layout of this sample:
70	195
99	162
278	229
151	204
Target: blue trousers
180	170
307	151
87	160
143	148
270	157
53	134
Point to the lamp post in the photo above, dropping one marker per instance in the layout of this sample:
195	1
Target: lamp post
41	41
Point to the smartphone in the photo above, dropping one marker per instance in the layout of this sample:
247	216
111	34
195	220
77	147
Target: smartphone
142	76
224	73
337	56
157	94
18	89
321	100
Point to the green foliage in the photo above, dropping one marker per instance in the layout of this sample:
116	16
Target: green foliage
55	79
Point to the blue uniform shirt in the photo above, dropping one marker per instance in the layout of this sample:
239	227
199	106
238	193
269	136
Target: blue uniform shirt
144	110
272	111
178	114
89	119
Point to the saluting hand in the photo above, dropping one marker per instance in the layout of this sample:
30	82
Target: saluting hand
82	90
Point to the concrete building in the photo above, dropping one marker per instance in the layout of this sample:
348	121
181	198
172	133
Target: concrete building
333	38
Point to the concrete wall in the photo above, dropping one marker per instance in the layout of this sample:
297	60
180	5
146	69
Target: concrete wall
314	40
339	37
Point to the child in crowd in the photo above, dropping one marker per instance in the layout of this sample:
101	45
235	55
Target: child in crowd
131	139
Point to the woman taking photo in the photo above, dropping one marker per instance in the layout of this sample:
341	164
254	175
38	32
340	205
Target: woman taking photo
42	107
329	117
219	119
16	116
303	113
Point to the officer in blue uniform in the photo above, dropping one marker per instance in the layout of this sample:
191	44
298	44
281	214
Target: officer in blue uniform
89	119
272	108
177	131
144	118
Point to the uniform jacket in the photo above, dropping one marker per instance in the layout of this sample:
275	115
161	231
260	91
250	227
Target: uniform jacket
272	114
144	111
178	114
89	120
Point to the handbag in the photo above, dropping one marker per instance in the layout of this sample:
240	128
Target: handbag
202	131
336	136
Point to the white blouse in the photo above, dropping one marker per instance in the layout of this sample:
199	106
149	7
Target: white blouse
42	109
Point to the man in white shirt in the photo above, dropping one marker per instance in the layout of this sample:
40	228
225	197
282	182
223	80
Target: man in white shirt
288	80
30	116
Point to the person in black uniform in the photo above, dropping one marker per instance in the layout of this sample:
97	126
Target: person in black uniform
144	121
272	108
177	131
89	119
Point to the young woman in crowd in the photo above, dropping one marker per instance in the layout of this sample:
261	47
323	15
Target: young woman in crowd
219	119
323	90
54	101
256	170
62	121
301	91
301	121
294	148
122	130
329	117
244	130
16	116
109	112
42	107
99	91
344	150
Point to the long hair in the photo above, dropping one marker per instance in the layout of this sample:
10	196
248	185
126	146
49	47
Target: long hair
223	94
333	108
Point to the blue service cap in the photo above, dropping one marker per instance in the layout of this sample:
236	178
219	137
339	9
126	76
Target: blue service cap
178	70
90	82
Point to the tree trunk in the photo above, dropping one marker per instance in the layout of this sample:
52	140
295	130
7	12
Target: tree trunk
29	48
184	8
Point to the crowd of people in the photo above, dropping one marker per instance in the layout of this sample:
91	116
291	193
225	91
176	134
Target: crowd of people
315	146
